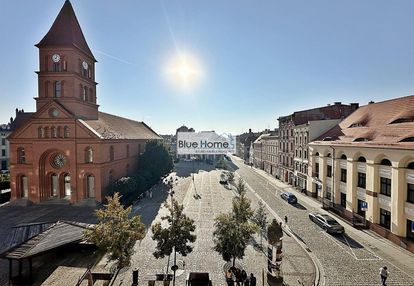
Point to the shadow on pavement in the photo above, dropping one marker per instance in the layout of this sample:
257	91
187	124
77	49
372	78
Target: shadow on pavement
348	241
299	206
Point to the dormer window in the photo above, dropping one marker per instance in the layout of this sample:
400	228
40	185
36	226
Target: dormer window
361	139
354	125
403	120
408	139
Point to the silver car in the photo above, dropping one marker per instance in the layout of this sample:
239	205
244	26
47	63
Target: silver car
328	223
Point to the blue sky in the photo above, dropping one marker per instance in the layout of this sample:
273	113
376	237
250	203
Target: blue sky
261	59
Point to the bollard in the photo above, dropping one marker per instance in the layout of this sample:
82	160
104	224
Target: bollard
135	277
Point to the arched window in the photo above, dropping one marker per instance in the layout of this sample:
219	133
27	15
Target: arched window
410	166
46	132
91	99
21	156
362	159
24	186
81	91
57	89
343	157
53	132
385	162
59	131
329	155
66	132
111	153
317	154
41	132
57	67
88	155
127	150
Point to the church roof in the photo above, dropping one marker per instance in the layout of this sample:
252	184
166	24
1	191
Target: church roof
387	124
66	31
109	126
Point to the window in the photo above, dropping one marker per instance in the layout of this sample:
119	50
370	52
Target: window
385	187
3	152
343	157
85	93
362	159
66	132
89	155
317	169
362	180
385	218
46	132
111	153
305	156
41	132
328	193
56	67
3	141
385	162
21	156
410	193
53	132
343	175
329	171
410	233
343	200
57	89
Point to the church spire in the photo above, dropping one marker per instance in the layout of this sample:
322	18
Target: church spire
66	31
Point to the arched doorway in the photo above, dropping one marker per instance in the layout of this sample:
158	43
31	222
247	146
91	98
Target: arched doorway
67	191
90	186
23	186
54	185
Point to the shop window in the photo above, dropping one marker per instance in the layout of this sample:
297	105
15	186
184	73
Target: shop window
410	230
385	187
385	218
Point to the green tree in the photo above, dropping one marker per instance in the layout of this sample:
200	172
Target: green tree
260	219
241	187
233	231
230	177
156	161
177	236
274	232
115	232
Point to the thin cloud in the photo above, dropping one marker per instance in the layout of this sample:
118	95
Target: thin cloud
114	57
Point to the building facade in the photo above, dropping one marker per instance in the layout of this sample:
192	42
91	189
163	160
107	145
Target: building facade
270	150
5	130
68	149
364	168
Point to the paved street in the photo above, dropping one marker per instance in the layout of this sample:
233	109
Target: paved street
350	259
213	199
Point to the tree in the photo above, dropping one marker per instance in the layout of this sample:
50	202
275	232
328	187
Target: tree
231	237
233	231
241	187
274	232
115	232
176	236
260	219
230	177
156	160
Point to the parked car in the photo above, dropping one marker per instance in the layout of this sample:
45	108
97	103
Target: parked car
328	223
289	197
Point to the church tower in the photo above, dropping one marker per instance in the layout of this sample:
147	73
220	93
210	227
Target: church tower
67	67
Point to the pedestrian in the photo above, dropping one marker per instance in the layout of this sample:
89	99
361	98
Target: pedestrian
229	278
384	275
243	277
252	280
238	276
150	194
286	220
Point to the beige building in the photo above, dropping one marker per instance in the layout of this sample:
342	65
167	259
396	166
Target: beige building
363	169
270	150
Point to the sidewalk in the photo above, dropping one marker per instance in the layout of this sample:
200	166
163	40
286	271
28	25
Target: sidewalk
399	256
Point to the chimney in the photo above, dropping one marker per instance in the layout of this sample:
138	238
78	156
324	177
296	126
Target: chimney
17	111
354	105
250	130
337	103
371	102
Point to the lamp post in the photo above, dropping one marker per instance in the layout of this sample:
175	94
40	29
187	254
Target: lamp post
170	184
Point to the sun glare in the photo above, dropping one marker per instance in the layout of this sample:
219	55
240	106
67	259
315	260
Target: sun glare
184	71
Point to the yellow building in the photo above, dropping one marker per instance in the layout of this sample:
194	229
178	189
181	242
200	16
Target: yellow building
363	169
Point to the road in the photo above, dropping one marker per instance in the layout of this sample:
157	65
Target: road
344	259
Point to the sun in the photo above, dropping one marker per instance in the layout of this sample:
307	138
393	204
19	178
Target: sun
184	71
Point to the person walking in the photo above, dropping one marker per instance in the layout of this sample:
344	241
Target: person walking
243	277
384	275
252	280
286	219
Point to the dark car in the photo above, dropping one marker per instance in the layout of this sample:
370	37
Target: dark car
328	223
289	197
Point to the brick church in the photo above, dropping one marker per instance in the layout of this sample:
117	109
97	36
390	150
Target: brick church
68	149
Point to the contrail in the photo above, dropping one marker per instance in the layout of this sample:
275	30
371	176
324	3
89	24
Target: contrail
115	58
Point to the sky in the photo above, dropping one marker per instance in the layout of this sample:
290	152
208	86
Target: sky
256	60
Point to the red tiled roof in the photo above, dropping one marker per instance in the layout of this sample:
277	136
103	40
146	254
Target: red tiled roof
66	31
109	126
336	111
373	123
